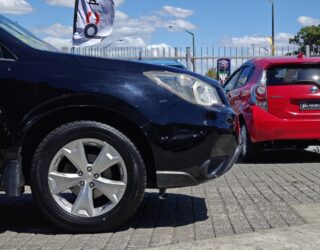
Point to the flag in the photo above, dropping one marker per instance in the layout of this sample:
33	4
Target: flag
93	21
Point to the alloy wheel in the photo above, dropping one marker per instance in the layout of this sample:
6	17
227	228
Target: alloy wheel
87	177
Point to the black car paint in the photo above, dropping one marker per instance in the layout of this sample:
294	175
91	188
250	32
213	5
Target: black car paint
182	136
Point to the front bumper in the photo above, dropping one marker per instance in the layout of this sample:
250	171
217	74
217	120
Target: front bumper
192	144
209	170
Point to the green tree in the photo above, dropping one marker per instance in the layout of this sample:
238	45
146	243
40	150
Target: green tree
309	35
212	73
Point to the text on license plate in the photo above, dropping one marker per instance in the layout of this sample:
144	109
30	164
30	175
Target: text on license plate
310	105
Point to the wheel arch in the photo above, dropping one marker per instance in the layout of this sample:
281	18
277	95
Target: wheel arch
40	124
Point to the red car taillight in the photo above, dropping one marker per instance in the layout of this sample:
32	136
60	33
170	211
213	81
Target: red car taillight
259	93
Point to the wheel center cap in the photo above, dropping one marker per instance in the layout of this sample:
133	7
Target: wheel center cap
88	176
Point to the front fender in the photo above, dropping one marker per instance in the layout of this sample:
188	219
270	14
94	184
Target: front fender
65	102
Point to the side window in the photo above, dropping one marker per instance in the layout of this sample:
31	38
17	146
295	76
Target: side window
231	83
251	74
244	77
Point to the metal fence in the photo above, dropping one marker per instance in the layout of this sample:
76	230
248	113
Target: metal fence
205	57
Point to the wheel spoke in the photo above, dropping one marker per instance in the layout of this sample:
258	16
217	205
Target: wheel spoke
106	159
84	202
60	182
75	153
112	189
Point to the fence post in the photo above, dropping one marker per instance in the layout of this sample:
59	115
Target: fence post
307	50
140	54
188	58
194	59
176	52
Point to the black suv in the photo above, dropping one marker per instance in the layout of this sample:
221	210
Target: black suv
90	134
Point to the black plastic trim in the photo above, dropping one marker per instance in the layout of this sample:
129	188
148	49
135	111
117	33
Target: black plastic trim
170	179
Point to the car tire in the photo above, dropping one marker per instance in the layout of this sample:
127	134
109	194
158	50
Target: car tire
87	177
250	151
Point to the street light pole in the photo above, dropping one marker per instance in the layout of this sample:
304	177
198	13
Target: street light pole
272	37
193	47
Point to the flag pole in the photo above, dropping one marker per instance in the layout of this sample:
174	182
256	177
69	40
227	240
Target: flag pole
75	20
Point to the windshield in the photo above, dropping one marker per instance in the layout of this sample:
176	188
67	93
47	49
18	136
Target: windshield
24	36
293	74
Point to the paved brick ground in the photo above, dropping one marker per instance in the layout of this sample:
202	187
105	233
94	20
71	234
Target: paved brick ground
249	198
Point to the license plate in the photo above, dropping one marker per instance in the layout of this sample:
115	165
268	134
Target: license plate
310	106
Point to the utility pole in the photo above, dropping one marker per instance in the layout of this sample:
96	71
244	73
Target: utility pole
272	37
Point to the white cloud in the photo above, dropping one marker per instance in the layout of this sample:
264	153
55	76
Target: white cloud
308	21
130	41
243	41
159	46
281	39
59	42
179	25
138	31
55	30
56	34
133	32
66	3
158	50
118	2
176	12
252	46
15	7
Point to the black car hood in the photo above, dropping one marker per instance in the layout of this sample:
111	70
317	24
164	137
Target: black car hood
132	66
118	65
113	65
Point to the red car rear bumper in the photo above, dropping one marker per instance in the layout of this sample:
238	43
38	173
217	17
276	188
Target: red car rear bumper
266	127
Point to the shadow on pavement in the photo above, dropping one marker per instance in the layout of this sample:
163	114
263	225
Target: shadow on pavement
21	214
286	156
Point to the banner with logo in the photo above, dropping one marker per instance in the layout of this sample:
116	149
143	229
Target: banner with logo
93	21
223	69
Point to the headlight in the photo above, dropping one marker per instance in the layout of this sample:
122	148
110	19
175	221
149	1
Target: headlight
187	87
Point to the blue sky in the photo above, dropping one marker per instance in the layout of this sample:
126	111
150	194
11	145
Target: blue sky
145	22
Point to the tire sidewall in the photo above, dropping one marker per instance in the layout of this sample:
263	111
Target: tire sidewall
251	151
244	138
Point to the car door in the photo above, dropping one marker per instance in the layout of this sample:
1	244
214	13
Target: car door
6	61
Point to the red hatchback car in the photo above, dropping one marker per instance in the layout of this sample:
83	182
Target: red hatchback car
278	103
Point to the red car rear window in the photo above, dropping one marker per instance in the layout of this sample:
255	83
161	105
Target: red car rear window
293	74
